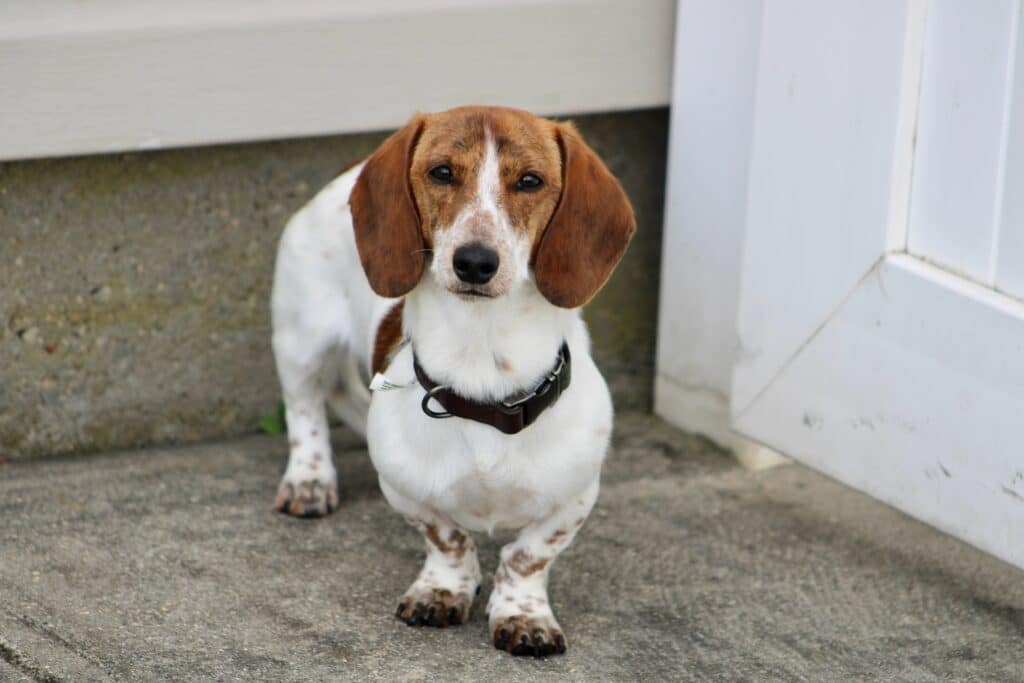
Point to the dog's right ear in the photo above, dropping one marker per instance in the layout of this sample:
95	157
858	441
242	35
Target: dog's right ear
387	224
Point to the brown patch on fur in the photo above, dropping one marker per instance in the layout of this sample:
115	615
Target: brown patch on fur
589	231
458	542
556	537
579	522
456	545
524	564
307	499
522	635
385	217
437	607
389	336
456	138
502	364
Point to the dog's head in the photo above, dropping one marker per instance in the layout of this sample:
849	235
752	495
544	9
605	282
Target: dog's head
491	198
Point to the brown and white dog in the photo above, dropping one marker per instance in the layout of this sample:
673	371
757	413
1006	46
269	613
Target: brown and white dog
455	260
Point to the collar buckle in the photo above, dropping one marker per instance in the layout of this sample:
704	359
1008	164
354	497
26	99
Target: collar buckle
425	403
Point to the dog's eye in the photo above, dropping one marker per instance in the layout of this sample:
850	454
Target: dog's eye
529	182
442	175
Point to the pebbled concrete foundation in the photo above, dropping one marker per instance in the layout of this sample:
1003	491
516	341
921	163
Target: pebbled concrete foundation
134	288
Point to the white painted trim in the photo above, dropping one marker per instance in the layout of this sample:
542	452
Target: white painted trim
110	75
709	155
704	412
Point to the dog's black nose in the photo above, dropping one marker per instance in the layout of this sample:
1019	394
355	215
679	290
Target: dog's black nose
475	264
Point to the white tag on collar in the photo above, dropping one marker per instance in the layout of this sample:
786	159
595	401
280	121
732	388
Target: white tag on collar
398	359
382	383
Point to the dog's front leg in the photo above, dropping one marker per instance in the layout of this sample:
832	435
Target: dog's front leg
520	616
444	590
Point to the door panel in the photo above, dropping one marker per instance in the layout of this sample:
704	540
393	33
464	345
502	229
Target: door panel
1010	257
898	377
965	93
825	139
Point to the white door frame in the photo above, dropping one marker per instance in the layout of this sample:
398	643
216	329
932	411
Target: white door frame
714	77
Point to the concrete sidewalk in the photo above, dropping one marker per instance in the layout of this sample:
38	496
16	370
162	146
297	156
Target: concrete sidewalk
170	565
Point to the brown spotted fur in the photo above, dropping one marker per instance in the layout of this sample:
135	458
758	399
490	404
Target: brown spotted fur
524	564
389	336
384	215
589	231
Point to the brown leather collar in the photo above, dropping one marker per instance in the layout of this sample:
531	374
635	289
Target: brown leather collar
511	415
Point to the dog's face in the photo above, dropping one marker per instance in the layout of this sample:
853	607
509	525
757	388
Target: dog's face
494	199
486	184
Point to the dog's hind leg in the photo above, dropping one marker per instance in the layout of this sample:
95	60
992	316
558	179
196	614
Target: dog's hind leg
349	397
309	487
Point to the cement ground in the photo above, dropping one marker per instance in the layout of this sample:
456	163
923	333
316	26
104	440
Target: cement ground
169	564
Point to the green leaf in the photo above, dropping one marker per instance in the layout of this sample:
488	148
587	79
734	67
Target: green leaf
275	422
272	424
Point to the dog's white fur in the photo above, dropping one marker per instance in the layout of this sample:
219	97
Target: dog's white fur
447	476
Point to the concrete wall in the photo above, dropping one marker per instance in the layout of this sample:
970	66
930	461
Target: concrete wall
134	287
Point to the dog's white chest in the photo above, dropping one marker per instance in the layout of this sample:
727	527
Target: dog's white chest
481	478
494	491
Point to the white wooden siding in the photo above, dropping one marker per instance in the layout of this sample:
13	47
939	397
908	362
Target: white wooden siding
105	75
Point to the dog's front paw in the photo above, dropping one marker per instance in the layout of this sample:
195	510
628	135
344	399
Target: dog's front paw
313	497
528	636
438	607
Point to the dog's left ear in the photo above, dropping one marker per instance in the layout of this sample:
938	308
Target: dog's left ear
589	230
387	224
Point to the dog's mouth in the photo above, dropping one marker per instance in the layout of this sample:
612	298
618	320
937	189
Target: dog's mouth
472	293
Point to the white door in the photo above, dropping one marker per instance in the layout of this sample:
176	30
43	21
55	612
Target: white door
881	323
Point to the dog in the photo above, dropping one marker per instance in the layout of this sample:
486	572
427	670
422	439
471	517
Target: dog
450	266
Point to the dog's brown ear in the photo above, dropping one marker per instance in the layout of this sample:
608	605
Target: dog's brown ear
589	230
387	224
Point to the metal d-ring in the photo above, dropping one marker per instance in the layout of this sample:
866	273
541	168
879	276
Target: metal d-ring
426	399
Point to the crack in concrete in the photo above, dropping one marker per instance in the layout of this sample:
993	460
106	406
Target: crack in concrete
41	674
59	639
